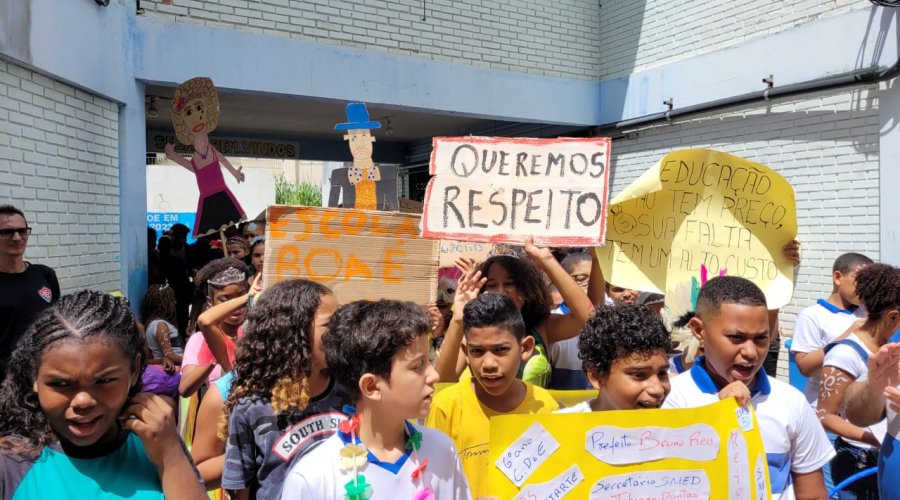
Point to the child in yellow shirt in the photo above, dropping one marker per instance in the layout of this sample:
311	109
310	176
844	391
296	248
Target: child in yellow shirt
495	344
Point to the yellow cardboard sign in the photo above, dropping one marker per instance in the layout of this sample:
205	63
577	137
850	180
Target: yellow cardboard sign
359	254
709	453
565	398
699	207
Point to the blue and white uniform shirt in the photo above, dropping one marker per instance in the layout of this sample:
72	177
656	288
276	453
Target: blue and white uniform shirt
793	438
817	326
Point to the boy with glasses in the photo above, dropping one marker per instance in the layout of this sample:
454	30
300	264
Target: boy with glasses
25	289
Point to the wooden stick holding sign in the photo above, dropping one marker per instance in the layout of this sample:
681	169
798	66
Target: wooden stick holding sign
224	241
501	190
359	254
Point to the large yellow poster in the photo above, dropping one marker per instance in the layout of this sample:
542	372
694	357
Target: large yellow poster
700	453
699	207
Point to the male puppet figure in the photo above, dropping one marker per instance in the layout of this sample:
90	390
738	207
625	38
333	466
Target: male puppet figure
370	191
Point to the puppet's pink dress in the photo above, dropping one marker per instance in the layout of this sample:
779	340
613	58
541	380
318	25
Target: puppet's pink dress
217	207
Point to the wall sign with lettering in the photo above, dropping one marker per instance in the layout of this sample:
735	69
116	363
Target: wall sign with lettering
698	453
491	189
234	146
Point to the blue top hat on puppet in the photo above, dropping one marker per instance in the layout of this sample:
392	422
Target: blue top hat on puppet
357	118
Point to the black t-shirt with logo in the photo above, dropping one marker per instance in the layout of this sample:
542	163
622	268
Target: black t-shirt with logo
22	297
262	446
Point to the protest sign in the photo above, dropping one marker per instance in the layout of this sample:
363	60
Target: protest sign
688	453
451	250
359	254
699	210
491	189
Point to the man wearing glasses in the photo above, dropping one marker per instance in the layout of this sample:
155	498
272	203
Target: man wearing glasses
25	289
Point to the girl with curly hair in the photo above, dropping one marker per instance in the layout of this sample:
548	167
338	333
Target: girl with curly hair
282	400
522	280
81	430
878	289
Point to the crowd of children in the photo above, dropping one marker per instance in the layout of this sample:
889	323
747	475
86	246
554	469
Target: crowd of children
285	393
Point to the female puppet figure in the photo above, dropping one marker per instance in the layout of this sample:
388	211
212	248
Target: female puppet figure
195	113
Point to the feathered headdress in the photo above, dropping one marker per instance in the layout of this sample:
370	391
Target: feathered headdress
681	306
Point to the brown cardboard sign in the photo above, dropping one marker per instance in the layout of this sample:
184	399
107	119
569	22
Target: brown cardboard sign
501	190
359	254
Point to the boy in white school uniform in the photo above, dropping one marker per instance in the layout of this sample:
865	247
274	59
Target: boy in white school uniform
828	320
379	352
731	322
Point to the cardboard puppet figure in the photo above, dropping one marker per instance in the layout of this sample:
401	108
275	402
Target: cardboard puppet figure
365	185
195	113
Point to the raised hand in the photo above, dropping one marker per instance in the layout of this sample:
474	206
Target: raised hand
465	264
169	150
467	289
536	253
892	397
437	321
884	366
791	252
256	285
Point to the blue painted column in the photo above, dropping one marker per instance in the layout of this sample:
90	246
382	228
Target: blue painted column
133	194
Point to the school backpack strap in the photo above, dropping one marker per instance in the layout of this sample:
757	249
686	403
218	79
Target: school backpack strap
856	347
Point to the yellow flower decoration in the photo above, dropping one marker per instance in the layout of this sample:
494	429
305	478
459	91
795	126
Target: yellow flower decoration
353	457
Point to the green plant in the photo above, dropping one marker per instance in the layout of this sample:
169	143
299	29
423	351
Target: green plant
297	193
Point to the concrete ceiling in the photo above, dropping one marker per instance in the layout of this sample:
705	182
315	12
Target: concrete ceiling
290	117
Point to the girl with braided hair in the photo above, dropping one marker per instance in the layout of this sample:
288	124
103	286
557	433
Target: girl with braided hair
282	401
238	248
878	289
72	421
163	338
